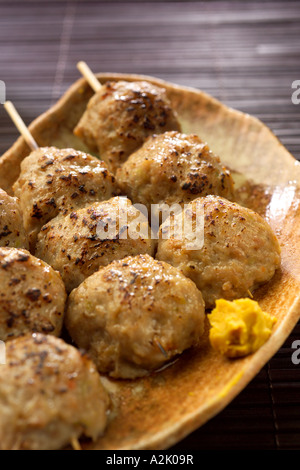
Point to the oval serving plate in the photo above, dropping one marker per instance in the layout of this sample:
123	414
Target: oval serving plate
157	411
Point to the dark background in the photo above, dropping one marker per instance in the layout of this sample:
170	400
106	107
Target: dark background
246	54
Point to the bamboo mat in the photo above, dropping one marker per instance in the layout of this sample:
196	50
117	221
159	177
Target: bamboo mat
246	54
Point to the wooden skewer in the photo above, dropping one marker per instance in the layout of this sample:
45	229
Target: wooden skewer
250	294
89	76
75	444
20	125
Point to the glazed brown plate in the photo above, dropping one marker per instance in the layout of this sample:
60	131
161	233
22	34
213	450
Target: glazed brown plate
157	411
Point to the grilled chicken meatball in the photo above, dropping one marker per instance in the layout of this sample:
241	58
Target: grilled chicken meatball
32	295
173	168
134	315
50	393
240	251
121	116
12	232
79	244
54	181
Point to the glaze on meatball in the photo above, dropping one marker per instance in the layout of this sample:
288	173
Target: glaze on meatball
173	168
78	245
54	181
134	315
32	295
121	116
50	394
12	232
240	251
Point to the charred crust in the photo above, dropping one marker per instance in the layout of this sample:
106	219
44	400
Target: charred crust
48	329
22	257
148	124
11	320
5	232
69	157
47	163
42	357
82	189
47	298
33	294
14	281
37	213
66	177
51	202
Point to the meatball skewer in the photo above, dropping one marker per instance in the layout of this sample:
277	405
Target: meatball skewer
50	395
122	115
173	168
67	232
135	315
239	253
87	239
32	295
56	182
20	125
33	324
90	77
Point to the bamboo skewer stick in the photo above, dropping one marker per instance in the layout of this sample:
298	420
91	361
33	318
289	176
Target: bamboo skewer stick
75	444
20	125
24	131
250	294
89	76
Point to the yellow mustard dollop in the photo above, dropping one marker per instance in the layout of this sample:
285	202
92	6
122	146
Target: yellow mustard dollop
239	327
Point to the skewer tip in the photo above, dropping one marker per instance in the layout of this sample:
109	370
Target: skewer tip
75	444
80	65
89	75
20	125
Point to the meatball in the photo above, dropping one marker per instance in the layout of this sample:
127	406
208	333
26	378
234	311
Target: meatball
54	181
50	394
134	315
239	253
79	244
121	116
173	168
32	295
12	232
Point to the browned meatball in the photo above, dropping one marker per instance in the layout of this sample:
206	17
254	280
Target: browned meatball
54	181
239	253
173	168
121	116
78	245
12	232
134	315
50	394
32	295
